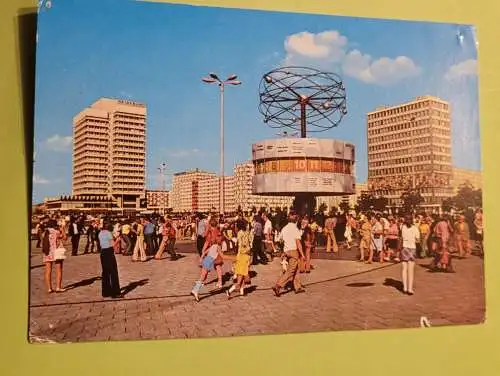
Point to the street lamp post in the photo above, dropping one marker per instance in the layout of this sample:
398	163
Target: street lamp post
212	78
162	170
412	133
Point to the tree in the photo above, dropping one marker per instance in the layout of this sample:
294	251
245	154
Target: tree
411	200
367	202
322	208
344	206
466	197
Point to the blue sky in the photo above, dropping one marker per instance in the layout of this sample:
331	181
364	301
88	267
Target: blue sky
157	54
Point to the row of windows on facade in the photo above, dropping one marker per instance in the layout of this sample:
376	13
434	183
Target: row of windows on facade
121	174
414	160
426	191
104	182
105	129
405	122
408	144
405	170
373	154
409	140
104	160
106	138
437	127
403	109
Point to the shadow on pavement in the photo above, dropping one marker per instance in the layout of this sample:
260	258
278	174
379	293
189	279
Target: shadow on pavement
133	285
391	282
360	284
82	283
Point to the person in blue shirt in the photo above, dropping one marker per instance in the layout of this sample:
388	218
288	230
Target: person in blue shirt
110	279
149	233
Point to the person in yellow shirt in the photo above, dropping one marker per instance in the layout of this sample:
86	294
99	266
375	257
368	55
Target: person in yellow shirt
424	230
365	232
126	239
462	237
242	263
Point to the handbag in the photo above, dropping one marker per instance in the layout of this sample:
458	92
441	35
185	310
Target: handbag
59	253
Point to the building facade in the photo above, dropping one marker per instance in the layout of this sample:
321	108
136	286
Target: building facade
157	200
109	151
243	197
463	176
409	147
209	198
185	194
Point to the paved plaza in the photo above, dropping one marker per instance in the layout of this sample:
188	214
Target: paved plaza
341	295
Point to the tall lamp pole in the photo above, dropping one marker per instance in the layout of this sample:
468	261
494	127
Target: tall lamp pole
412	135
162	170
212	78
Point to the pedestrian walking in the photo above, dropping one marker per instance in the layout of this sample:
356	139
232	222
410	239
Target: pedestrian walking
210	259
242	264
291	237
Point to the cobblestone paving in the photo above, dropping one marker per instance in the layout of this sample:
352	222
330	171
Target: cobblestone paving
341	295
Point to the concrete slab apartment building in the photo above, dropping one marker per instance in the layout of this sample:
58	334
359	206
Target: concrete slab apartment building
109	151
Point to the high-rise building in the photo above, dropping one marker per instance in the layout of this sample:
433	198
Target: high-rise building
462	176
243	197
109	151
185	195
209	194
409	147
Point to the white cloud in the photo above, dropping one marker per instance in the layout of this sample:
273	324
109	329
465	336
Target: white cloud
323	48
329	50
59	143
37	179
460	70
183	153
383	71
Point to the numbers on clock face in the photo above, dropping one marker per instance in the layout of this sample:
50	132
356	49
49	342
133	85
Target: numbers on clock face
336	165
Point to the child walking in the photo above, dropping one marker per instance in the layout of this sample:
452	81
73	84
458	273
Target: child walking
210	259
242	264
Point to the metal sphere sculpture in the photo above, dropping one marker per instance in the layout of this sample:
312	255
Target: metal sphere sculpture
302	98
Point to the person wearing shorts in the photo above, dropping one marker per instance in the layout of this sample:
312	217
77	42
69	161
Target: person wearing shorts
410	236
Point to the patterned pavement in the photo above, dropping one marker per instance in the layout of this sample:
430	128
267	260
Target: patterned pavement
341	295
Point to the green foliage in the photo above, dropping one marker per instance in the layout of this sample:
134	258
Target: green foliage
322	208
466	197
368	202
411	201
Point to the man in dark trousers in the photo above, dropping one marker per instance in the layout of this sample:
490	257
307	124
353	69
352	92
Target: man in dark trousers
74	233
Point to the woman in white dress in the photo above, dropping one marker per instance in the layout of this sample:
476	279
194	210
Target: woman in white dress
348	230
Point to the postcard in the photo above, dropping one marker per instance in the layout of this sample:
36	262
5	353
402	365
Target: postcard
208	172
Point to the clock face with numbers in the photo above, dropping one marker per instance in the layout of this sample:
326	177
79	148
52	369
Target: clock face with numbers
288	166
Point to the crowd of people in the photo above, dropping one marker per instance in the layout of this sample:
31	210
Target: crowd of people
248	239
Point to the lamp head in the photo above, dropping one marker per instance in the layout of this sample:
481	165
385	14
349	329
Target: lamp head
208	80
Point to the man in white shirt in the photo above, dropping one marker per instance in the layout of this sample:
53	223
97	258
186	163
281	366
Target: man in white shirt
291	237
410	235
268	234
